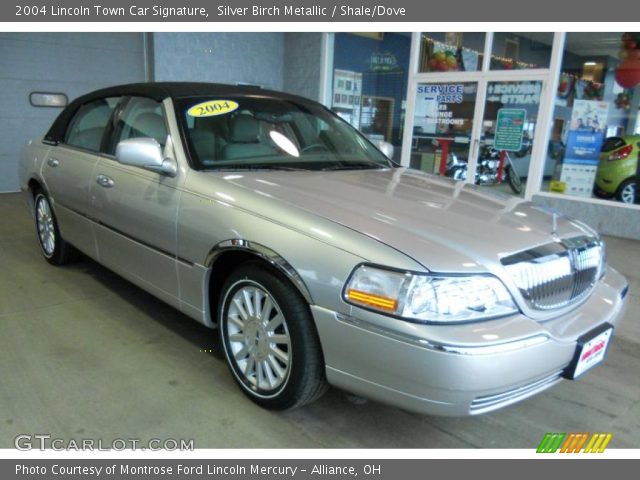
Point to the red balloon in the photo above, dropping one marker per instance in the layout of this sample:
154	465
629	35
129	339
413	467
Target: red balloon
628	73
632	55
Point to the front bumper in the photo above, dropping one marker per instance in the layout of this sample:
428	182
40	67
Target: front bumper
607	192
459	370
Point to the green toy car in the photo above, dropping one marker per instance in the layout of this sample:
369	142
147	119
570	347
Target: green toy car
616	175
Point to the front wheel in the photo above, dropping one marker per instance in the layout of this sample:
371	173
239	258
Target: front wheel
269	339
514	180
54	249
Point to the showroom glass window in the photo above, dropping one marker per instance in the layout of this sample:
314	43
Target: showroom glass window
87	127
451	52
521	51
595	132
370	75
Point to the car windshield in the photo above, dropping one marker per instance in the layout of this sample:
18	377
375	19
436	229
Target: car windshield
255	132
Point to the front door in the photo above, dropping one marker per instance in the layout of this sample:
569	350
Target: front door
476	127
507	135
136	208
443	127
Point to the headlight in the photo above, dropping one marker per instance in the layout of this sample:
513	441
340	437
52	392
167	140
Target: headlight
428	297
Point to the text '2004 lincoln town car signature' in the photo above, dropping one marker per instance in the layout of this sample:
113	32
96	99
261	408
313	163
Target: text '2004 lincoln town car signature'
318	259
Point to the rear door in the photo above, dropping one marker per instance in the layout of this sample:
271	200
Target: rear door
68	171
136	209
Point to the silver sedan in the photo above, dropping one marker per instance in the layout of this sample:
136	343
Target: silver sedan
318	260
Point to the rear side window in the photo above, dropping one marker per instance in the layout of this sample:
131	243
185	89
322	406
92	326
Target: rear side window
87	127
612	143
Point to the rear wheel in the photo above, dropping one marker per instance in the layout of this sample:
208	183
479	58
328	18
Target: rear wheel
54	249
627	191
269	339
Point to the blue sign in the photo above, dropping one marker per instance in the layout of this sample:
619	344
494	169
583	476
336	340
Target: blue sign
583	147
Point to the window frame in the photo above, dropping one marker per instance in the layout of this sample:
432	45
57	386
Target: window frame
105	131
112	130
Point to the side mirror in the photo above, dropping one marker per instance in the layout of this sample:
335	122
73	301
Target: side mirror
145	153
386	148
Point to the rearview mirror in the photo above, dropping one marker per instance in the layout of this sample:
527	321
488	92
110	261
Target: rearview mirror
386	148
145	153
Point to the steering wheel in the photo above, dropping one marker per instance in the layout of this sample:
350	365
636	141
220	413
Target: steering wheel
315	146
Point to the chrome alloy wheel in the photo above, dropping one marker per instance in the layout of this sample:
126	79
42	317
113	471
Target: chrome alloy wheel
46	227
257	339
628	193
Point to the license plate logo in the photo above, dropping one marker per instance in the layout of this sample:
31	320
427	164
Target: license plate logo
591	351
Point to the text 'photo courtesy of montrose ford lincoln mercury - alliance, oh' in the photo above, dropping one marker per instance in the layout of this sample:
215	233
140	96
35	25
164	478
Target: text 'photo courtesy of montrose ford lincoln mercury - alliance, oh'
317	259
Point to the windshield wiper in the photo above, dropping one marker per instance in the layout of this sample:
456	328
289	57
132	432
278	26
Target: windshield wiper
361	165
256	168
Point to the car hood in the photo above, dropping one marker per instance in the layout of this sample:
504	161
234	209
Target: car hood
442	224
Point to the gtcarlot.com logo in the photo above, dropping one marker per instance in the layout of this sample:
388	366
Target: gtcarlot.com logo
574	442
43	442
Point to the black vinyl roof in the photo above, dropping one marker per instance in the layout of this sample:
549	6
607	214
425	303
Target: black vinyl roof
159	91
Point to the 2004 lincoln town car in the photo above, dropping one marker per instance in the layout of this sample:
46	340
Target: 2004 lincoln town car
318	259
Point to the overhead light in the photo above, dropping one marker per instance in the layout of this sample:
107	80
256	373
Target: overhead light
589	64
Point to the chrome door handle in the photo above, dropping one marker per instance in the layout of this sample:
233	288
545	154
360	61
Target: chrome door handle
53	162
104	181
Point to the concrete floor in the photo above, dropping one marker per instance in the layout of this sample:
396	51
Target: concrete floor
85	354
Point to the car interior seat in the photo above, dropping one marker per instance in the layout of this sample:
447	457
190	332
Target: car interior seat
244	139
204	143
151	125
92	128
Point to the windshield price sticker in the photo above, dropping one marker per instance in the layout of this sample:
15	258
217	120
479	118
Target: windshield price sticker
212	108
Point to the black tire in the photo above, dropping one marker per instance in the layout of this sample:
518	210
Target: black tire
53	247
626	191
250	357
514	180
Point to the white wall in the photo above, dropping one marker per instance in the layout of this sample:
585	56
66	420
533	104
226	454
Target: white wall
70	63
302	64
280	61
255	58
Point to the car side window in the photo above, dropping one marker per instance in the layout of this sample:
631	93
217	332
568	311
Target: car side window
141	118
87	126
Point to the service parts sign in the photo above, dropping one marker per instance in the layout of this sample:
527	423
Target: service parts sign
433	103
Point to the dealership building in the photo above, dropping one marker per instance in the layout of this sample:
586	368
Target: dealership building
436	97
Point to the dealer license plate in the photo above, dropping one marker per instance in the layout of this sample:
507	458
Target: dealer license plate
591	350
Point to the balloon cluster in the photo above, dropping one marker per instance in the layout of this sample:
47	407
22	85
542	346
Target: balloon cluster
628	72
593	91
444	61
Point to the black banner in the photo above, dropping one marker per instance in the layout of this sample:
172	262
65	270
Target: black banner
313	11
314	469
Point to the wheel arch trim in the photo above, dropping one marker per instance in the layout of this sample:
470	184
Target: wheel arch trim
266	254
30	191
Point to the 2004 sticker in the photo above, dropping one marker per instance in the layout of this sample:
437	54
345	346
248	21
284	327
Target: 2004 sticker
212	108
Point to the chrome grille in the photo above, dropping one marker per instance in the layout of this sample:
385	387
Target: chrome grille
557	274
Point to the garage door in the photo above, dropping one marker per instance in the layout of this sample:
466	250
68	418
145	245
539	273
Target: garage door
69	63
